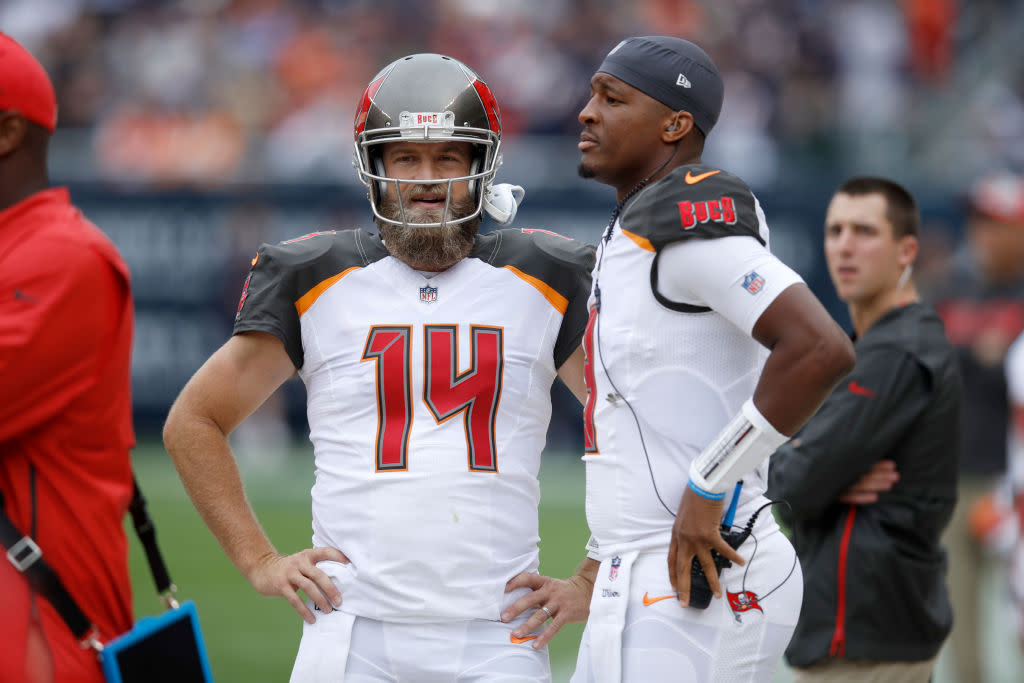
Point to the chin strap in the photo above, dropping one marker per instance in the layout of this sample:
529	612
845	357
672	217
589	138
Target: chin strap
501	202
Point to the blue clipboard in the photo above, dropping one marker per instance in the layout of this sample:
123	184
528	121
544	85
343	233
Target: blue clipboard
164	648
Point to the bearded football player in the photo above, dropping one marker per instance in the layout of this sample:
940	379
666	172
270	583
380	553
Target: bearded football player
428	353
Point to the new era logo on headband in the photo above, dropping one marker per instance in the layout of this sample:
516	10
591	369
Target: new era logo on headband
672	71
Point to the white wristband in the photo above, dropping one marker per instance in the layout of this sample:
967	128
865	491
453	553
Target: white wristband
741	446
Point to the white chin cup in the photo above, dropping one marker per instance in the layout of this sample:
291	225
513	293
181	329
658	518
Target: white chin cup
502	201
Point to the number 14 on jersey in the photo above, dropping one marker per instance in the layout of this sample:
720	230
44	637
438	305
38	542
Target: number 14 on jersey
474	393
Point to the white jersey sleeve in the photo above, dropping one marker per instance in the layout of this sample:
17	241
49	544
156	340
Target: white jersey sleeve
735	276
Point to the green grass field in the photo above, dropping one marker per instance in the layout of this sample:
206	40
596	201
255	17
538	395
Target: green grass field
251	638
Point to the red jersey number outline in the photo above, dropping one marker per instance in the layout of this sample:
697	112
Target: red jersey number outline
589	433
475	393
388	345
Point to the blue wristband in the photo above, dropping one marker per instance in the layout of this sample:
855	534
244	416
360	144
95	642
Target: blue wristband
706	494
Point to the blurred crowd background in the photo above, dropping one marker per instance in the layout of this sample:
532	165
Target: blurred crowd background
193	130
201	93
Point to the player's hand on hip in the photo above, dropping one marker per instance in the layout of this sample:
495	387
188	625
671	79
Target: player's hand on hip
563	601
694	534
880	478
285	575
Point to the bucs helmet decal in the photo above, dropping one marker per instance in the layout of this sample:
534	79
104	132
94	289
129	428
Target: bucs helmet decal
364	104
490	104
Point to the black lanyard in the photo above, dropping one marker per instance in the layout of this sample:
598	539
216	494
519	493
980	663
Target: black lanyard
27	557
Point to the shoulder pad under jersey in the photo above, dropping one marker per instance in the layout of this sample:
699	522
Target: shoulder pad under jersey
281	274
540	253
694	201
561	264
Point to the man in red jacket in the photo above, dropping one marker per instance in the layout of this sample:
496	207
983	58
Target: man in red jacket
65	403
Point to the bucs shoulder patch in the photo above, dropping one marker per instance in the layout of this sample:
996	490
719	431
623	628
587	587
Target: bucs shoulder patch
692	202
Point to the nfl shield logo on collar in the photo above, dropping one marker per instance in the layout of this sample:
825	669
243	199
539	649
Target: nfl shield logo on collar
428	294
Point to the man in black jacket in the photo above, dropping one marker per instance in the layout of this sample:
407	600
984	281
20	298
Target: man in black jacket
875	598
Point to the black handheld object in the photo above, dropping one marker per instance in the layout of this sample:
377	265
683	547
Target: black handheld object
700	591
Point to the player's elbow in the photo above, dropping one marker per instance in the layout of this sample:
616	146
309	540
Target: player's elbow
821	358
174	428
187	424
805	338
835	355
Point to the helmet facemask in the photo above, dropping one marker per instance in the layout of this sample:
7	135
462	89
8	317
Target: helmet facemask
382	187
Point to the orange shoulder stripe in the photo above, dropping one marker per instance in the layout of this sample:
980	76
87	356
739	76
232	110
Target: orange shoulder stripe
641	242
560	303
310	297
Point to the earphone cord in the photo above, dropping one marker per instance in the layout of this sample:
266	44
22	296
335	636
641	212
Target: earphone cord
597	299
636	419
747	530
629	195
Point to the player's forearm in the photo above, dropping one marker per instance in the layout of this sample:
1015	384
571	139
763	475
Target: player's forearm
588	570
209	472
572	374
583	579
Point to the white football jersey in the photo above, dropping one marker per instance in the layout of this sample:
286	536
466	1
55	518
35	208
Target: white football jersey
428	403
667	369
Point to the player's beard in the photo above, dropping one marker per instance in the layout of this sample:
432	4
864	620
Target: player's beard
585	172
433	249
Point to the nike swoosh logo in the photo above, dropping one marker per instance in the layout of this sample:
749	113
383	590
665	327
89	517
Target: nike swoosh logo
859	390
648	601
22	296
517	640
694	179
